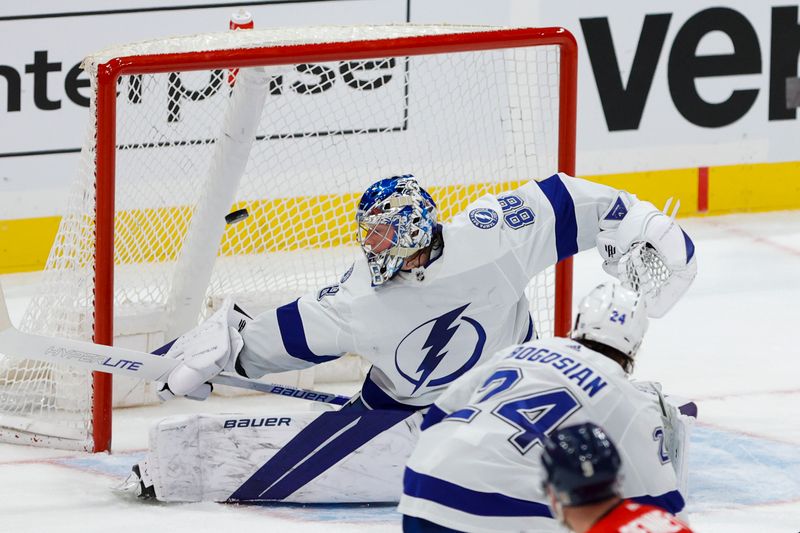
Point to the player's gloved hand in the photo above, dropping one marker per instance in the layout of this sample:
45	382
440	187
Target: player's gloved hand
607	237
607	246
645	223
204	352
649	253
200	393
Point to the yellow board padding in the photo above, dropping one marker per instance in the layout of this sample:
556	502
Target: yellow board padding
25	243
325	221
751	188
657	186
154	235
149	235
285	224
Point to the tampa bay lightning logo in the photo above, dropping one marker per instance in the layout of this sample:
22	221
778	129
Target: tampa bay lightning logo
483	217
441	349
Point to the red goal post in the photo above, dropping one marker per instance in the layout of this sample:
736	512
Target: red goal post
358	45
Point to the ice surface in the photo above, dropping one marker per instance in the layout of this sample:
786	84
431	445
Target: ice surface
731	345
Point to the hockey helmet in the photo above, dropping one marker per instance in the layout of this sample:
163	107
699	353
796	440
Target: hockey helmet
612	315
581	465
396	218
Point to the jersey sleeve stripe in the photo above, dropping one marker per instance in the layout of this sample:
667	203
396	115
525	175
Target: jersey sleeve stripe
432	417
467	500
529	334
671	501
564	211
293	335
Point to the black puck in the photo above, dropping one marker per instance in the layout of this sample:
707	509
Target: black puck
236	216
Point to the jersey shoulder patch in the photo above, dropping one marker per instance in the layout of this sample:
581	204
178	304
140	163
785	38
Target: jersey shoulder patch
483	217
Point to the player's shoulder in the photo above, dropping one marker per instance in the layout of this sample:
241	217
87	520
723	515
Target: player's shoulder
487	212
472	238
564	344
518	207
548	349
633	516
481	217
570	362
353	283
578	351
485	217
647	392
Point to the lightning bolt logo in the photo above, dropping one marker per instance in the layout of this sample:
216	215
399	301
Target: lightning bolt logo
441	333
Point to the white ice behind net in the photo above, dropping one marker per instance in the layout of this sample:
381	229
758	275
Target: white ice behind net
465	124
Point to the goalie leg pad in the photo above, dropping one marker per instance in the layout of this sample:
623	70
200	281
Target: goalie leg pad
211	457
324	442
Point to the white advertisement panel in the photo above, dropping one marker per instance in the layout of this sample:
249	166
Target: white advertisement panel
44	93
671	84
662	84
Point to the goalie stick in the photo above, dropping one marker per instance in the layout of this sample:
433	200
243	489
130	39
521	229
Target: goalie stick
123	361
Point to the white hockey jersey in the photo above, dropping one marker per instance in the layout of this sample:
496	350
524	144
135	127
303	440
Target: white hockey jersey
421	332
477	466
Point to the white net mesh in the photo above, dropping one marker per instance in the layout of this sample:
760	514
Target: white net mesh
464	124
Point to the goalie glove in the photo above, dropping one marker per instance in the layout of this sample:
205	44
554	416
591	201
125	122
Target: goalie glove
204	352
649	253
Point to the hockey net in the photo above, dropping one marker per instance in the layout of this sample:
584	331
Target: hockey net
313	116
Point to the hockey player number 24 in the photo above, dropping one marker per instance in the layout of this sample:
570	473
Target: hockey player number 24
532	415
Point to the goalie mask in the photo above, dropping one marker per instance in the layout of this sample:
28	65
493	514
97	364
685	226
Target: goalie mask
396	219
612	315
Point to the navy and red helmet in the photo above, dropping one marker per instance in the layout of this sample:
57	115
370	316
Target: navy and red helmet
581	464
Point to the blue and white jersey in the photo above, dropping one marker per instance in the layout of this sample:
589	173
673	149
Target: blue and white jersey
477	466
421	332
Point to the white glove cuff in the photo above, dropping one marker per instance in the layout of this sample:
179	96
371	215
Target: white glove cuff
237	343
